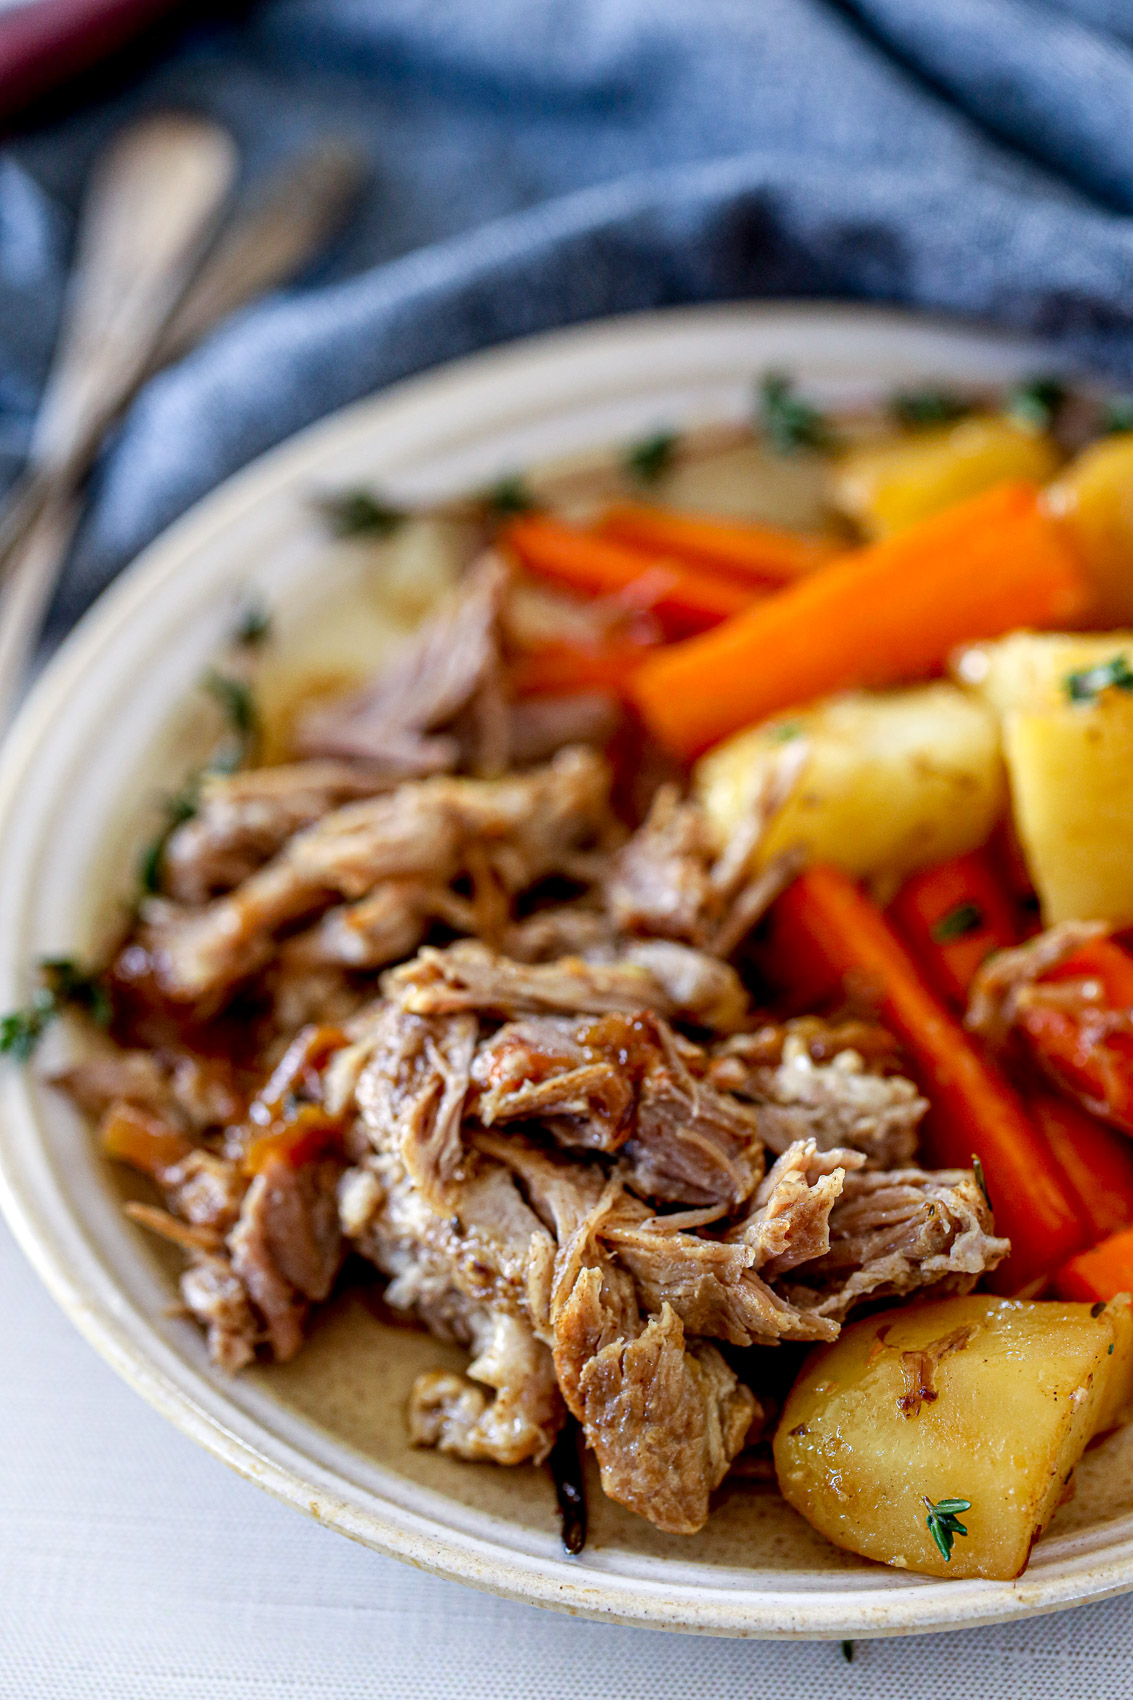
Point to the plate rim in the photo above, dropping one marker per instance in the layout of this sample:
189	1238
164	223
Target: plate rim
120	1334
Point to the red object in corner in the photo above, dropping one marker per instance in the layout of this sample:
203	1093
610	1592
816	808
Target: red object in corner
45	42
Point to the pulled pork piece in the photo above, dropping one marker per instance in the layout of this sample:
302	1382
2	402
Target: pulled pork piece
664	1419
455	1414
667	978
566	929
190	1094
243	819
667	883
891	1234
838	1104
436	676
413	1091
566	1073
691	1144
216	1296
538	726
529	827
1008	977
286	1246
790	1223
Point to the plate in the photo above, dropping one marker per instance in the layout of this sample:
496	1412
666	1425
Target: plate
105	729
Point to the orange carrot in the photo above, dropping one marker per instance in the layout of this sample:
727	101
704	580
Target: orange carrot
1096	1160
824	922
879	615
1086	1043
683	598
557	667
952	916
300	1139
737	549
1098	1275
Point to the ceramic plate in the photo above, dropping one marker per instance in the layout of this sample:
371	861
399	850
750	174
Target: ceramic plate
107	727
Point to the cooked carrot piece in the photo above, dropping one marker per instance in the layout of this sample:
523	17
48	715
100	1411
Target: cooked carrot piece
683	598
1099	1274
299	1140
1086	1043
556	667
891	612
738	549
825	926
952	916
131	1135
1096	1160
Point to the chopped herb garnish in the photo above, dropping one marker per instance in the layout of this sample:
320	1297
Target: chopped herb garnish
359	513
944	1523
785	731
510	496
239	705
1089	683
1036	404
1109	1350
648	461
253	626
958	923
64	985
789	422
981	1181
1117	414
848	1652
235	698
928	407
180	807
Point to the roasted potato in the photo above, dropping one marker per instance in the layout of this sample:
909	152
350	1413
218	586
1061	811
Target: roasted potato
1066	709
1094	496
980	1400
890	782
889	485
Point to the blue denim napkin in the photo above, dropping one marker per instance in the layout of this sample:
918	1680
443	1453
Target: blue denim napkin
535	162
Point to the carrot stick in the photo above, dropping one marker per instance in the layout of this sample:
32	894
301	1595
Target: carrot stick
891	612
952	916
1086	1045
824	921
683	598
1096	1160
737	549
558	667
1098	1275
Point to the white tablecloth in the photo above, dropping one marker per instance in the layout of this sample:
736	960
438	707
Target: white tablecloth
134	1567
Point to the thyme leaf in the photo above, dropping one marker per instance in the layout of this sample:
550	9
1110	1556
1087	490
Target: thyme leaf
648	461
790	422
785	731
508	497
63	985
1088	684
944	1523
919	408
1037	403
360	513
236	699
965	918
253	626
981	1179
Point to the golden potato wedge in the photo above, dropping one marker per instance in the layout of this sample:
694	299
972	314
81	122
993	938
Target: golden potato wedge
1094	496
891	781
985	1400
1069	753
889	485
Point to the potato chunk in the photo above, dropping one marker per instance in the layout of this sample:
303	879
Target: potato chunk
1095	497
887	486
981	1399
891	781
1070	764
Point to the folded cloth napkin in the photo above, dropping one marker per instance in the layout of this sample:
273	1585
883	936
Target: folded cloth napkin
536	162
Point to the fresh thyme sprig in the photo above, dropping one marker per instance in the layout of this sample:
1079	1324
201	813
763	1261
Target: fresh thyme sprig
1088	684
360	513
63	985
1037	403
647	462
919	408
508	497
253	626
789	422
944	1523
965	918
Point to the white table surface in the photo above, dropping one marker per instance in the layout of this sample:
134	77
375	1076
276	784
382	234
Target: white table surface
135	1567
